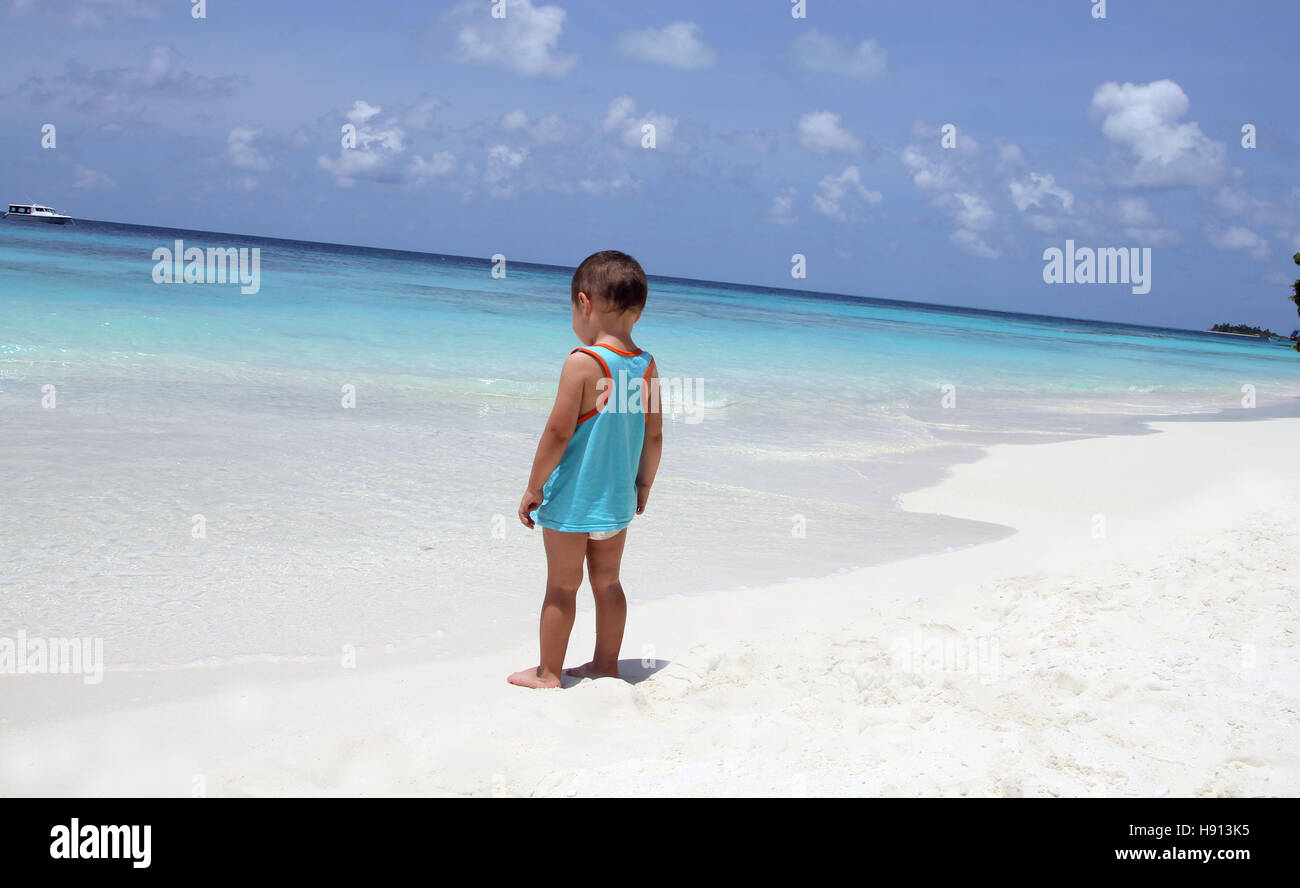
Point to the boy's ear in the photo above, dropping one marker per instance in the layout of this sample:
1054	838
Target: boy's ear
584	303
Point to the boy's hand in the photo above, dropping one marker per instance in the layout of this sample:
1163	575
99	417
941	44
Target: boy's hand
532	499
642	494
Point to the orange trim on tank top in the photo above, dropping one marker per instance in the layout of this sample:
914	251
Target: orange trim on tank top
603	365
619	351
653	392
589	414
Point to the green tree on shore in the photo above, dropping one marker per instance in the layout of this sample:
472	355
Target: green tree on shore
1295	296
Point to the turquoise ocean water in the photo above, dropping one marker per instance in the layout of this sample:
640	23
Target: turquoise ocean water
198	493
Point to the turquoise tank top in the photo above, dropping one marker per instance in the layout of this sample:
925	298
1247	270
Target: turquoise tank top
594	486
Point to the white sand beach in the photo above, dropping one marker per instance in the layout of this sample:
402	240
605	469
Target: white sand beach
1136	636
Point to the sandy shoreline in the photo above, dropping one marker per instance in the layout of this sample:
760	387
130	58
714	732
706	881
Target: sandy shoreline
1137	636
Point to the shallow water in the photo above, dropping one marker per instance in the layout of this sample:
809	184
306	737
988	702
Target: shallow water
392	523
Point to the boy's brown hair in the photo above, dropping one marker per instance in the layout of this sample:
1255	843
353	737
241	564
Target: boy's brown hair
613	276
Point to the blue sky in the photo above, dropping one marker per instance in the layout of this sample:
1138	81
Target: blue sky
773	136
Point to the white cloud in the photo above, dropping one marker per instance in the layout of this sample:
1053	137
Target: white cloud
1238	202
617	183
88	178
353	164
838	196
1239	238
380	154
1030	192
1010	156
782	211
932	134
1145	119
514	120
970	210
821	52
440	164
362	111
120	92
240	150
955	181
1045	224
622	119
505	157
551	128
677	45
1143	225
420	115
525	41
928	174
1136	211
821	131
972	243
949	177
499	171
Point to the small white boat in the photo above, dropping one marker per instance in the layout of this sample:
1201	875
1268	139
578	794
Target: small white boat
36	213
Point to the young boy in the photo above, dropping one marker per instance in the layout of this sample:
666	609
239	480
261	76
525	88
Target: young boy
594	465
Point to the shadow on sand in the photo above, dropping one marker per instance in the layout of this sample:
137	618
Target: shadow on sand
630	671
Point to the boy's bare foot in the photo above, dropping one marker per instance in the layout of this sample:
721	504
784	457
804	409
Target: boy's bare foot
532	678
591	670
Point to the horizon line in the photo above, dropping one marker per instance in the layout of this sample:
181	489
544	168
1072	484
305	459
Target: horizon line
910	303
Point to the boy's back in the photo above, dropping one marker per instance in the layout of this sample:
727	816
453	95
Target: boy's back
593	489
595	464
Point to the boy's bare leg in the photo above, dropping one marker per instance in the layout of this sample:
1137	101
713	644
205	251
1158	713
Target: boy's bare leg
604	557
564	553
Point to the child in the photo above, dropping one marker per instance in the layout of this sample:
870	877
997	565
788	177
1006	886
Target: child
594	465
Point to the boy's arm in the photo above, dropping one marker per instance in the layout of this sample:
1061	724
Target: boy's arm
653	445
578	367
